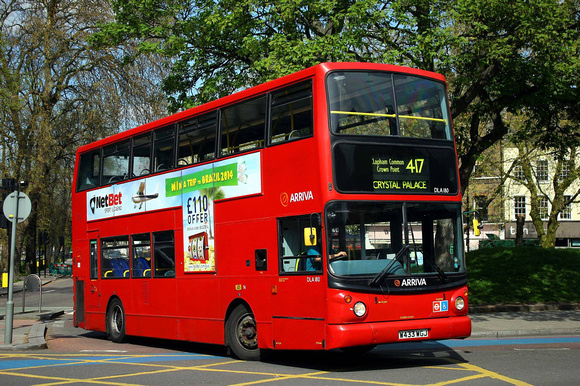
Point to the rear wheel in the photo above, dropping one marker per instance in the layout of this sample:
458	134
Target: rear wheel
116	321
242	334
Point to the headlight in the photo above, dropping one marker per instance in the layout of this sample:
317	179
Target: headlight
360	309
459	303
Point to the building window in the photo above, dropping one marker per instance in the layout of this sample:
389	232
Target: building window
543	208
565	171
518	172
519	206
542	170
566	213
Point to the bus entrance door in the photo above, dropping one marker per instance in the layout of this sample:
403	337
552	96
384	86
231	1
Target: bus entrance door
298	321
93	301
298	318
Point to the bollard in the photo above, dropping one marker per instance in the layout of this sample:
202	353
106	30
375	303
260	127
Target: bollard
24	292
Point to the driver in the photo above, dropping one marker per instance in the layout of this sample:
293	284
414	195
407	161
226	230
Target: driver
314	263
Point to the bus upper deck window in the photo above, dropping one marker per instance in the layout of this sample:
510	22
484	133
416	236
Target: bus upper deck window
115	163
291	113
142	155
242	126
421	108
88	172
384	104
196	142
163	149
361	103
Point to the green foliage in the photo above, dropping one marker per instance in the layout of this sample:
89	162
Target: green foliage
523	275
498	56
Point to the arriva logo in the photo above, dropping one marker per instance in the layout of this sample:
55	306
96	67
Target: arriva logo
411	282
285	200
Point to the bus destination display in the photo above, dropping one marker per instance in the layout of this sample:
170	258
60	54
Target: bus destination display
395	169
403	173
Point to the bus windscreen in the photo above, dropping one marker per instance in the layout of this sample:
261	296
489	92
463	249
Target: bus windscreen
387	104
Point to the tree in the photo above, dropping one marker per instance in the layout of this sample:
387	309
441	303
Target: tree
499	56
57	92
552	180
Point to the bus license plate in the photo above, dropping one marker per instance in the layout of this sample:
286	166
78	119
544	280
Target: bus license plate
411	334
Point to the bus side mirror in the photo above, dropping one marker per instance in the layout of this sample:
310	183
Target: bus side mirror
310	237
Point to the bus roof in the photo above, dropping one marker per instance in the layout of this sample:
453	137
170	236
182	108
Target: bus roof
318	70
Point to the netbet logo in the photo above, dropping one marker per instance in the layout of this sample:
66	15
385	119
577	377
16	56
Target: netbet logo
101	202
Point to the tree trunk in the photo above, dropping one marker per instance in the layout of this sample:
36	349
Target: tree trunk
520	221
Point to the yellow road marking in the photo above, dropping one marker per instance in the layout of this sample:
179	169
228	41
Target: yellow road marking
494	375
157	368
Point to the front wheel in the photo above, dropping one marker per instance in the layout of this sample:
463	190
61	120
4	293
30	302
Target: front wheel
242	334
116	321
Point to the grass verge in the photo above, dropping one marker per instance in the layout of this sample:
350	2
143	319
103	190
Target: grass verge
523	275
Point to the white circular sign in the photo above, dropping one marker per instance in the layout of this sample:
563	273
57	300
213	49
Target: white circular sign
24	206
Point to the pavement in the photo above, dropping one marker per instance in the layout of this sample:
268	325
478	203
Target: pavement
29	328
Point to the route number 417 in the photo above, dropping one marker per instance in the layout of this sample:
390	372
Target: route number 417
416	165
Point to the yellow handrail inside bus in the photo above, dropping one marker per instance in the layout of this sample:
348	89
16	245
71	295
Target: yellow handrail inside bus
389	116
126	273
107	273
423	118
145	272
364	114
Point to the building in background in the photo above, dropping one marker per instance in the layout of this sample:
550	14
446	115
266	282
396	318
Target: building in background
499	193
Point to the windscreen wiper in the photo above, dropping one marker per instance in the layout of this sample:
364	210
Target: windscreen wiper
440	273
381	275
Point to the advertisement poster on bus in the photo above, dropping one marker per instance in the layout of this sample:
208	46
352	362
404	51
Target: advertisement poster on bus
200	188
194	190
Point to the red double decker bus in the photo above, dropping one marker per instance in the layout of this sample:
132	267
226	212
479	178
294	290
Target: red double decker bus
317	211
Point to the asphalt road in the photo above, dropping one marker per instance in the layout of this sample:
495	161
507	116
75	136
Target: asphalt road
76	356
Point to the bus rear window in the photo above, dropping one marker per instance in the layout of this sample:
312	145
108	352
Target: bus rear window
88	173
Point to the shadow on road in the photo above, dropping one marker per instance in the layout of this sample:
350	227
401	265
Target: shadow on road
383	357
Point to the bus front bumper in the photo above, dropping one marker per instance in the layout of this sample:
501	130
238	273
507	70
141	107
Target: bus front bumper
364	334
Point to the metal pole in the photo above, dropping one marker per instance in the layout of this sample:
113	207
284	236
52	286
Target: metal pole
10	302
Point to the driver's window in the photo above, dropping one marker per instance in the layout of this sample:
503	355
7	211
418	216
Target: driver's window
299	252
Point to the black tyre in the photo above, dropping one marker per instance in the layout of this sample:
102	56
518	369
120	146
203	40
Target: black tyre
116	321
242	334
